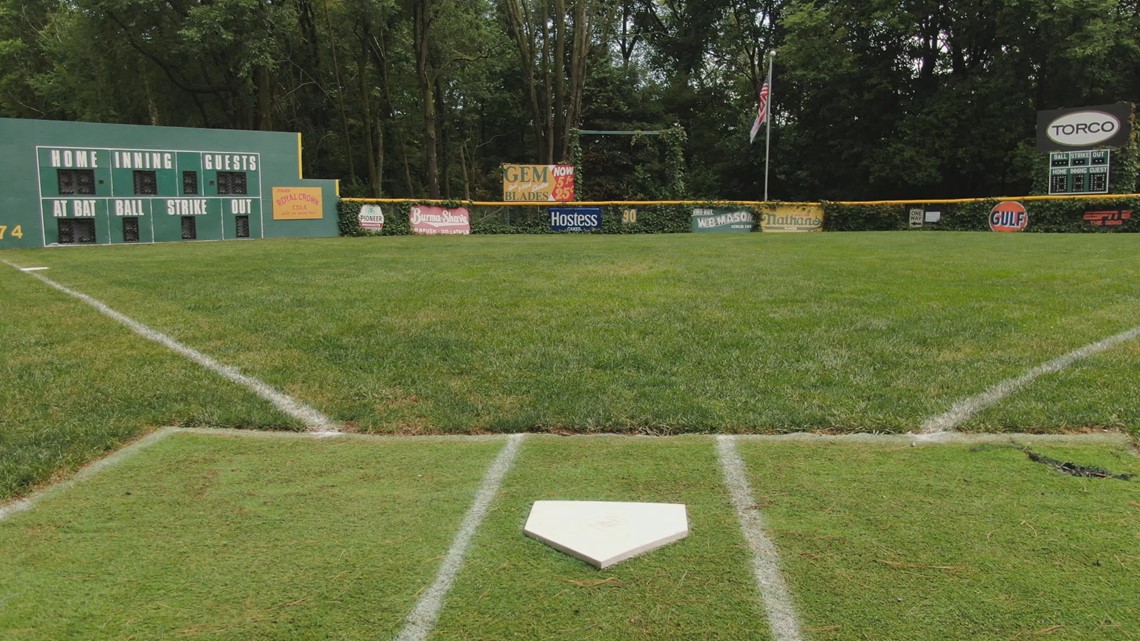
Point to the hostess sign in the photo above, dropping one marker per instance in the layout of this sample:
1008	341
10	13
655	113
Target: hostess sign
538	183
1086	128
575	218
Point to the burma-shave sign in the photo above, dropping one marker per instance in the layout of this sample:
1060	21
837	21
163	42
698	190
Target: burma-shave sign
792	218
371	217
722	219
575	218
1084	128
437	220
1009	216
538	183
297	203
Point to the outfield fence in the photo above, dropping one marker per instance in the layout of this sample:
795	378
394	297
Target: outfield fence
1072	214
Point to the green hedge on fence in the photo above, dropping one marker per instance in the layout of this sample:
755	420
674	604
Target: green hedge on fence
1067	215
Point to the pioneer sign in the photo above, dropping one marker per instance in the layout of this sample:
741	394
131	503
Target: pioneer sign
1084	128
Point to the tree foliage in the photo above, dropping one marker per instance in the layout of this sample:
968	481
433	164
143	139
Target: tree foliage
427	98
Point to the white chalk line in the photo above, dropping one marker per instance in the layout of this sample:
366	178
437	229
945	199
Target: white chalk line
30	501
965	409
782	619
424	616
313	420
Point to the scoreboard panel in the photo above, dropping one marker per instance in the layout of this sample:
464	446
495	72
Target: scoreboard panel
1079	172
66	183
140	195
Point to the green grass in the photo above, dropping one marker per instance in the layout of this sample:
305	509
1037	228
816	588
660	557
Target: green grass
221	538
74	385
650	334
699	588
953	542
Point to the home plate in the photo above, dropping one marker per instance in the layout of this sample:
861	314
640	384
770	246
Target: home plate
604	533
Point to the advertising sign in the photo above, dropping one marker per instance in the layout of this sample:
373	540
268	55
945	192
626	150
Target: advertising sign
1108	218
575	218
437	220
538	183
723	219
1009	216
1084	128
297	203
371	217
790	218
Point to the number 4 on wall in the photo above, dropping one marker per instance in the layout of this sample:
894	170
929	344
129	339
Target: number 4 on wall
17	231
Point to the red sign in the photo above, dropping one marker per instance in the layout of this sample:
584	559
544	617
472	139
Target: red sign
1009	216
437	220
1110	218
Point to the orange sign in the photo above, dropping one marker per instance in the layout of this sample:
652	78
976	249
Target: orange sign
1009	216
297	203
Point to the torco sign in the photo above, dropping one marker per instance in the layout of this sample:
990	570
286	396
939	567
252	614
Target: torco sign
1065	129
1009	216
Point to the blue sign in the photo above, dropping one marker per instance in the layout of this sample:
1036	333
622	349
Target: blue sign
575	218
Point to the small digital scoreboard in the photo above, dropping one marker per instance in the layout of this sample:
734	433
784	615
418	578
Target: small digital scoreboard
1079	172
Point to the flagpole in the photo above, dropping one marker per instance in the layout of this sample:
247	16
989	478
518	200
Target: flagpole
768	133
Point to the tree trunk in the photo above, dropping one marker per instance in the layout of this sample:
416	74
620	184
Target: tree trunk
421	20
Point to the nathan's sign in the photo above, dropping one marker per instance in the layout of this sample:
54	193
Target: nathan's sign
297	203
437	220
792	218
722	219
538	183
1108	218
1084	128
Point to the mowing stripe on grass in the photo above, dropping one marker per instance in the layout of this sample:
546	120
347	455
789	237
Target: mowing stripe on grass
765	558
87	472
313	419
423	617
965	409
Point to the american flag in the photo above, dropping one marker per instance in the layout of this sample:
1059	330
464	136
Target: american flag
762	113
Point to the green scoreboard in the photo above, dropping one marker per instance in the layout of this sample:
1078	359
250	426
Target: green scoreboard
81	183
1079	172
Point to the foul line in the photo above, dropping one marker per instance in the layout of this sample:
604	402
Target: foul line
966	409
423	617
765	558
30	501
314	421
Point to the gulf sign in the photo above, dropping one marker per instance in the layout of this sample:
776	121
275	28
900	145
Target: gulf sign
538	183
1009	216
575	218
1085	128
432	221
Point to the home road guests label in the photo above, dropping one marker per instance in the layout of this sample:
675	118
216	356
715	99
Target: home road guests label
575	218
538	183
1009	216
371	217
297	203
720	219
437	220
790	218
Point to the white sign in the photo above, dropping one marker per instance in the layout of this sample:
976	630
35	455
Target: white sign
371	217
933	216
1083	128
